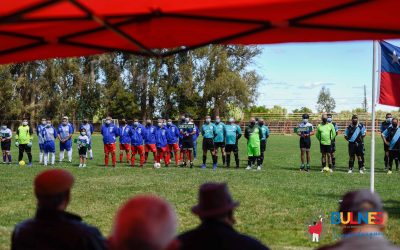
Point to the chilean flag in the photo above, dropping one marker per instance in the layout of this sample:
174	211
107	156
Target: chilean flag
389	89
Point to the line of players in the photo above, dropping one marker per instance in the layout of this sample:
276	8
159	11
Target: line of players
326	133
167	139
47	136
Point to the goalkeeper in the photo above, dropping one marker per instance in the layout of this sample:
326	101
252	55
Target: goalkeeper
253	134
23	139
83	144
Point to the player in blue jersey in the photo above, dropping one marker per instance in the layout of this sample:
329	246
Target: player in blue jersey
355	134
49	135
124	141
89	132
219	139
306	130
233	133
385	125
195	136
208	133
65	132
39	129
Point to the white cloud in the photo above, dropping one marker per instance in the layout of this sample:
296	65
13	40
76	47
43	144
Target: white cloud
314	85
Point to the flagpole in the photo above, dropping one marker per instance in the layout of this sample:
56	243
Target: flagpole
372	182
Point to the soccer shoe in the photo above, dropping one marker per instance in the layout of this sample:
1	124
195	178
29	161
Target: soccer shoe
259	168
191	164
91	158
322	170
214	166
30	164
302	167
69	161
203	166
249	168
4	162
331	170
84	165
361	171
80	165
350	171
389	172
307	167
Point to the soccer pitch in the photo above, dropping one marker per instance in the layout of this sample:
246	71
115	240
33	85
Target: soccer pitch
276	204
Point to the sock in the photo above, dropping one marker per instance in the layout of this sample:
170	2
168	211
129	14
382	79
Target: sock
154	155
190	155
106	160
45	159
386	161
330	166
259	161
323	162
262	158
62	155
223	159
176	158
167	158
29	157
9	158
69	153
253	160
249	161
215	159
40	156
146	156
128	158
351	165
121	155
333	161
158	158
237	159
53	158
114	159
4	158
204	159
180	156
141	159
228	160
133	156
396	162
91	153
360	164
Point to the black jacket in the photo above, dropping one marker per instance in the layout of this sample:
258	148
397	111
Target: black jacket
212	235
51	229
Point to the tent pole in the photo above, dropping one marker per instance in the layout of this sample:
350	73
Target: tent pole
372	182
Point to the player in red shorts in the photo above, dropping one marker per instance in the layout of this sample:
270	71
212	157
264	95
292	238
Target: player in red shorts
110	134
162	145
124	141
137	133
149	140
173	140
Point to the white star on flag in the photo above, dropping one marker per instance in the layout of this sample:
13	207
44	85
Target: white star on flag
395	58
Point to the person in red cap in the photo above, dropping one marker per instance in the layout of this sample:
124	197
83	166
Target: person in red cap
144	222
53	227
215	210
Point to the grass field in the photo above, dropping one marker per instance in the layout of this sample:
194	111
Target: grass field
276	203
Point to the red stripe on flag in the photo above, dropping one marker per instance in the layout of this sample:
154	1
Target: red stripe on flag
390	89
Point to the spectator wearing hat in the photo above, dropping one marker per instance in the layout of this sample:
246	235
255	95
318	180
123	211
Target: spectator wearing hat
144	223
53	227
363	236
215	210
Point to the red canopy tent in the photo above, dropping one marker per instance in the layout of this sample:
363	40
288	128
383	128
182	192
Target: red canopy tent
39	29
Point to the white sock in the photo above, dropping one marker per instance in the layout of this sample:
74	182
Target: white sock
62	155
69	155
40	156
53	158
45	158
91	153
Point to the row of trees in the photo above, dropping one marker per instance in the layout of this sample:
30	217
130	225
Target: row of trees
213	79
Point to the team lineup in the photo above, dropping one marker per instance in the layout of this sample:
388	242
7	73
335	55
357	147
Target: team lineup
167	141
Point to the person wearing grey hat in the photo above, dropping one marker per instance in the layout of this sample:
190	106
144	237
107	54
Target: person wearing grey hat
215	210
362	236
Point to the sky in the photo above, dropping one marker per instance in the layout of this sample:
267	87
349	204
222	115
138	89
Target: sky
294	73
